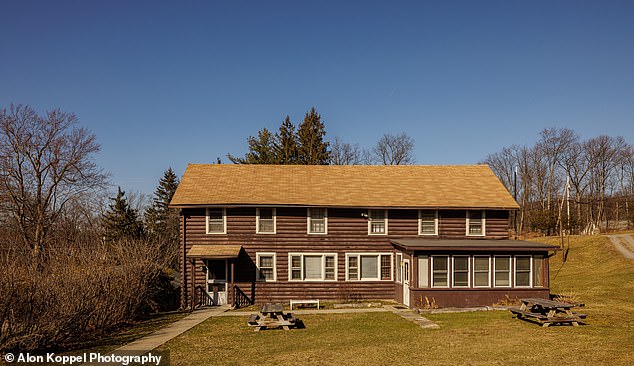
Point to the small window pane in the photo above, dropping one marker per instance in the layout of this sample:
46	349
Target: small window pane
523	263
481	279
330	268
386	267
296	270
215	214
481	263
266	213
353	272
538	272
266	261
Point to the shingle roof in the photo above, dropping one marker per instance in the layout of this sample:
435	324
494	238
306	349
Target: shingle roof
471	244
411	186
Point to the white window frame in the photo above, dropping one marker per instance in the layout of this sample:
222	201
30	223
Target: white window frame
309	218
323	266
378	259
257	221
420	223
224	221
530	271
483	223
370	222
495	259
399	268
433	259
488	257
453	268
257	264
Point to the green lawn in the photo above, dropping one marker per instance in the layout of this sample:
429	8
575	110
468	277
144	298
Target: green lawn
594	271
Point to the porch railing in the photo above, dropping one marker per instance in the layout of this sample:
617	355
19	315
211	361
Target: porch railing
202	298
240	299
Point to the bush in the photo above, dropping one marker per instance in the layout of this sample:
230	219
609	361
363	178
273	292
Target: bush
77	292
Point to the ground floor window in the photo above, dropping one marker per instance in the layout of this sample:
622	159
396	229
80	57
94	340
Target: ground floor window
369	267
399	267
265	263
461	271
481	271
312	267
523	271
440	271
538	271
502	274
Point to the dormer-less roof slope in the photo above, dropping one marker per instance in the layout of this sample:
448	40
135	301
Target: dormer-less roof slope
411	186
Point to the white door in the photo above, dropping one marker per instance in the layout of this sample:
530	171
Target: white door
217	280
406	282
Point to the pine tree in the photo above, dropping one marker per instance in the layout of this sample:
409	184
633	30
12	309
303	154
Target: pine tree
312	148
286	143
121	221
160	220
261	150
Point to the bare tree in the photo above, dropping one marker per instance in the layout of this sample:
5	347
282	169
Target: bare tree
46	162
343	153
395	150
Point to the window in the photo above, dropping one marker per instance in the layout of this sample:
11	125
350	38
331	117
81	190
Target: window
377	222
266	267
369	267
423	271
265	221
399	267
523	271
440	271
216	221
481	271
317	221
502	274
312	267
538	271
427	222
460	271
476	223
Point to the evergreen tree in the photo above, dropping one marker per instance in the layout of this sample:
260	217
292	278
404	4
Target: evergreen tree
286	143
312	148
121	221
160	220
261	150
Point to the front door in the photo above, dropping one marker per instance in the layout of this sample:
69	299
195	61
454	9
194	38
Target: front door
217	280
406	282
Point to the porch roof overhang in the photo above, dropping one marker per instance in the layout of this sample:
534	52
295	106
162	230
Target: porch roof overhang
471	245
214	251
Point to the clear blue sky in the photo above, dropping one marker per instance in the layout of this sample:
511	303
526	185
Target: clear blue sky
166	83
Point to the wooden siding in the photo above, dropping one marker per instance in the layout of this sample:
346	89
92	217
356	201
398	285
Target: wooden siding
347	232
451	297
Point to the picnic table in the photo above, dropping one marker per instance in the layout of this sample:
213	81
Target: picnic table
547	312
272	316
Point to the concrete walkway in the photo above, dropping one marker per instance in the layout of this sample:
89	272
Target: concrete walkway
624	243
148	343
412	316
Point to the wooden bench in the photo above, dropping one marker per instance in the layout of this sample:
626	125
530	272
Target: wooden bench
253	319
304	302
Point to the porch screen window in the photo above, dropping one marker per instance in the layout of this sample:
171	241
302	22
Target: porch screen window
266	266
313	267
481	271
502	271
266	221
370	267
215	221
538	271
461	271
440	271
317	221
522	271
377	222
428	222
475	223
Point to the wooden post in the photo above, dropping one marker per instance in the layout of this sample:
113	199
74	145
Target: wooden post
184	297
193	283
233	296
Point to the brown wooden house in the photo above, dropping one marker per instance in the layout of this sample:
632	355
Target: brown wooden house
263	233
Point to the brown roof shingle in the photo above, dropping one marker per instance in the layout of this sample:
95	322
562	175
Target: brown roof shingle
411	186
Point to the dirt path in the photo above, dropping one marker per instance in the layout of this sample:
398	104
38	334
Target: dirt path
624	243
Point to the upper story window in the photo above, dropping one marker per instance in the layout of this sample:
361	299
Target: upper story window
265	221
317	221
428	222
377	222
476	223
216	221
